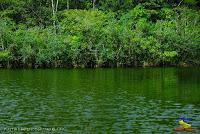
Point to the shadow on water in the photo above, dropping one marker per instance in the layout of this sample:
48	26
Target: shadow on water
100	100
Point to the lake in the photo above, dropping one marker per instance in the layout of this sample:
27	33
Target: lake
138	100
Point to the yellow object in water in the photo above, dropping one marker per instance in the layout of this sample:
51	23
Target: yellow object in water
184	124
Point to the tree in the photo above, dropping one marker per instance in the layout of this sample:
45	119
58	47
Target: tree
54	11
93	4
67	4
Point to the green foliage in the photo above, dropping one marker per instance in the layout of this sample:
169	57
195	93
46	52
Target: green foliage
4	54
114	33
181	32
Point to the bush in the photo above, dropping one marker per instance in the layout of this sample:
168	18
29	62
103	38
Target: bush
93	38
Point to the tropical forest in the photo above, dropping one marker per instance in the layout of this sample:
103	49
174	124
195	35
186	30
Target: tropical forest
99	33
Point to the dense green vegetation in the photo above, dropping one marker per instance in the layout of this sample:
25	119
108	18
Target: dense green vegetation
99	33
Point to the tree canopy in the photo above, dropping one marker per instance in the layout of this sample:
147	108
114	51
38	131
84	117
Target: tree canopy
99	33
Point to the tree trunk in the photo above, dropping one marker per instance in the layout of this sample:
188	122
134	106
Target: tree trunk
54	11
2	45
93	4
56	6
67	4
180	3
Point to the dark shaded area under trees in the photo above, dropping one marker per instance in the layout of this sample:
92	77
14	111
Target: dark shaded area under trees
99	33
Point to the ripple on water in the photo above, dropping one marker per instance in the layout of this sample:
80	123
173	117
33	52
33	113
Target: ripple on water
108	104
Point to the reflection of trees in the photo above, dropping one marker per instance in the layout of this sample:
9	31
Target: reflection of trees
188	84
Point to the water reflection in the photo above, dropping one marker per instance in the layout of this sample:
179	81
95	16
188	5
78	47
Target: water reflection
100	100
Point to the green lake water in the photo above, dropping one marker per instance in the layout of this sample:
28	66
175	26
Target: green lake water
98	100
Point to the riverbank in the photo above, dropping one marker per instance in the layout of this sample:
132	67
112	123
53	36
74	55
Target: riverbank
33	66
